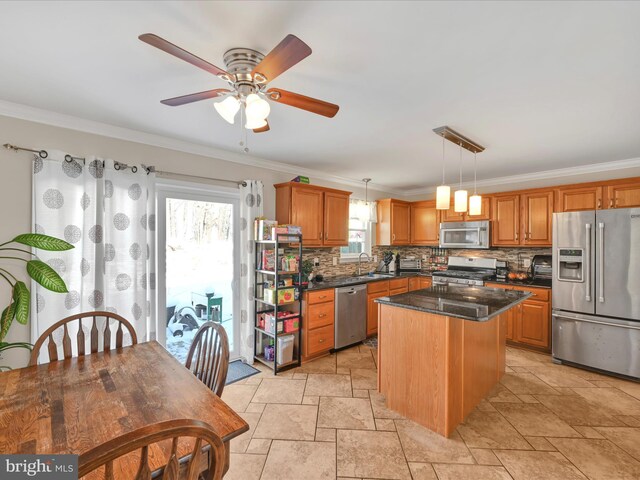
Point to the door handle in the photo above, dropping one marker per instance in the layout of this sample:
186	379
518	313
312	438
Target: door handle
393	236
601	262
611	203
326	236
599	204
608	324
587	268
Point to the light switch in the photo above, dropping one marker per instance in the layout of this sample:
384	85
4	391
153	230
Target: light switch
316	262
335	260
527	262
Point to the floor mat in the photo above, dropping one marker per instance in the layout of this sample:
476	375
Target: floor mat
371	342
239	370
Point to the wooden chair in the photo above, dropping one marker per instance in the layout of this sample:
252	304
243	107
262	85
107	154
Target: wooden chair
144	437
80	337
208	357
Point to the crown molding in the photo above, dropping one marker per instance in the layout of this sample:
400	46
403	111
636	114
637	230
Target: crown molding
48	117
544	175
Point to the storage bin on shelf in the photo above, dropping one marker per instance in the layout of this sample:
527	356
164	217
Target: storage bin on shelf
285	349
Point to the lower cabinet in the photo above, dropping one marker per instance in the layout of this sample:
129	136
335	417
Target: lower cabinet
529	323
375	290
318	323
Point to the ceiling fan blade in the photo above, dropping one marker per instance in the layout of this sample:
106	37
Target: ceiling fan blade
262	129
305	103
182	54
285	55
194	97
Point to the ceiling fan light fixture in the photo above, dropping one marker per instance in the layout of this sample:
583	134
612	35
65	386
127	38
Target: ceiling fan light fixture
253	124
228	108
256	108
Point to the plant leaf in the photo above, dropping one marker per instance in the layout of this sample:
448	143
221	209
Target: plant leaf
22	298
6	319
44	242
46	276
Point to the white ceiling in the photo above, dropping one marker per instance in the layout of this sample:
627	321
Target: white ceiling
541	85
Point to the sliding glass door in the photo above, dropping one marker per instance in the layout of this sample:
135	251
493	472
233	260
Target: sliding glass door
198	263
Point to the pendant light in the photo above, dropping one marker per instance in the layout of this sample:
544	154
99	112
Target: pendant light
443	192
460	205
364	213
475	201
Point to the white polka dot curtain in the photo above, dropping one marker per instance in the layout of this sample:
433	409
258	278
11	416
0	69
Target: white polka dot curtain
108	215
251	207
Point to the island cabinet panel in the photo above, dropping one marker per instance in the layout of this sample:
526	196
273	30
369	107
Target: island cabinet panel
414	284
505	224
322	213
425	282
537	218
393	226
624	195
425	223
375	290
318	323
575	199
435	369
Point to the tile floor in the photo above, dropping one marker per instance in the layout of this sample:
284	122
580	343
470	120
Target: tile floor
325	420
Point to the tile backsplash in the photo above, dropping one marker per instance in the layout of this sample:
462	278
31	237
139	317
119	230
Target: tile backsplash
514	256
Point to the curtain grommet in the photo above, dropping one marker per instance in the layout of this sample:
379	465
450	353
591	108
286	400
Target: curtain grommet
43	154
134	169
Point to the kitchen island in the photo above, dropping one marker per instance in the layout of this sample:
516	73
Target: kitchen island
441	350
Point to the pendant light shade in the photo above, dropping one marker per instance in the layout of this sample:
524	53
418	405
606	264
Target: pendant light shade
364	212
443	197
475	202
443	192
475	205
460	204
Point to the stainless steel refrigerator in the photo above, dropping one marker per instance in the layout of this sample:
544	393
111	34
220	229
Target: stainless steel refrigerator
596	289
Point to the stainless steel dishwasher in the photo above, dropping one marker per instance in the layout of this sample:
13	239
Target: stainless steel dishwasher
351	315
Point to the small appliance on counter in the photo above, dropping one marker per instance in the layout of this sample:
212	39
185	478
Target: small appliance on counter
410	264
542	269
502	271
387	264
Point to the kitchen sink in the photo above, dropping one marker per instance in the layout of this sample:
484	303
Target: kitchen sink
373	275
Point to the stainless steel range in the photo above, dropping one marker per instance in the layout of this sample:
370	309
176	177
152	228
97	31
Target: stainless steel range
472	271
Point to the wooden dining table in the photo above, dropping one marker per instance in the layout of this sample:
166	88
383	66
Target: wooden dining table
71	406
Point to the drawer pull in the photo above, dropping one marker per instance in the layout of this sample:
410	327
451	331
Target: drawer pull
321	340
322	315
322	296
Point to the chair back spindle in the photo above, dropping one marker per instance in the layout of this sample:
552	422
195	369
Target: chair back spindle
208	357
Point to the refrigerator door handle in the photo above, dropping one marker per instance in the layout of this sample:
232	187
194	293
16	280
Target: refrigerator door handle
587	268
596	322
601	262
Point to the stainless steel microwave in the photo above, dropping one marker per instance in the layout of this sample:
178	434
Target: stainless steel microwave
464	234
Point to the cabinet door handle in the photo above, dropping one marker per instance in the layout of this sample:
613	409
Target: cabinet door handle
320	236
516	235
611	203
326	236
393	236
599	204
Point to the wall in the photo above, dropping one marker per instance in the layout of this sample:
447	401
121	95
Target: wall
15	184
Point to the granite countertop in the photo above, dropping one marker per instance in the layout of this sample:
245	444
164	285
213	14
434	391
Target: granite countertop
348	280
525	283
469	303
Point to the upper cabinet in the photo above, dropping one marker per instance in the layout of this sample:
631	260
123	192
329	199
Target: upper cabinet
537	218
452	216
393	227
425	223
505	227
522	219
322	213
577	198
623	195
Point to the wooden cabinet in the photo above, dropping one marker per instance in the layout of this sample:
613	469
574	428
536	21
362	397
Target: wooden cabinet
505	225
336	210
529	323
393	227
537	218
425	223
418	283
398	286
533	325
623	195
522	219
375	290
425	282
318	323
575	199
451	216
322	213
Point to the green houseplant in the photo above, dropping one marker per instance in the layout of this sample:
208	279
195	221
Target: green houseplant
20	300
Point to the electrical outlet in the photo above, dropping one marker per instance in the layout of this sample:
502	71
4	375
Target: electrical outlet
424	258
316	262
527	262
335	260
375	258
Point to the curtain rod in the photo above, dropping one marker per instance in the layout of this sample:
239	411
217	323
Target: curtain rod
120	166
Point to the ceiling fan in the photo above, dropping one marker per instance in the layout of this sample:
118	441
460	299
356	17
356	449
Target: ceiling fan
248	73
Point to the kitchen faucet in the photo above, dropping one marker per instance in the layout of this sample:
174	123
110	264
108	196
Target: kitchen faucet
360	261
